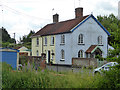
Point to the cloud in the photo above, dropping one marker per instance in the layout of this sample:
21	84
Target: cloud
106	7
21	16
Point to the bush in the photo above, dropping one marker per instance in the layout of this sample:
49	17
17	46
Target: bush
111	78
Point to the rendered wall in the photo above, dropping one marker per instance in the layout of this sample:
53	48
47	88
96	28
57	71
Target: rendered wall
91	30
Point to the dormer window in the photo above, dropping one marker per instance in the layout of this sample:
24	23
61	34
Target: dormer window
80	39
100	40
62	39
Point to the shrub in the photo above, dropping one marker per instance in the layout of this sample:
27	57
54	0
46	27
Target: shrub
111	78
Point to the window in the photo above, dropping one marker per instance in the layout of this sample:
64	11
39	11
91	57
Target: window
52	55
52	40
62	55
62	39
80	54
37	41
100	40
45	41
80	39
37	53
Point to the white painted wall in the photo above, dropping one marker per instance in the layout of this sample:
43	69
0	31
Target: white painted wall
91	30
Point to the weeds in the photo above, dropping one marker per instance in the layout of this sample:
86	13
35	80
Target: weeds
52	79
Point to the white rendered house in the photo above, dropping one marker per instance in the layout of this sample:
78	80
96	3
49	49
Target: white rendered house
82	37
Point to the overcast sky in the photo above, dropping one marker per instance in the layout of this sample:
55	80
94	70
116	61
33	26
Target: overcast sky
21	16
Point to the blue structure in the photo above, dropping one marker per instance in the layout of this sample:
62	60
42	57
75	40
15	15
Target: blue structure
9	56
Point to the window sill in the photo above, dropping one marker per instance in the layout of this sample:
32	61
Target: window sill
81	44
52	45
100	45
45	45
62	59
37	45
62	44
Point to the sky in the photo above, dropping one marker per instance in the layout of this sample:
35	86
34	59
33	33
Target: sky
21	16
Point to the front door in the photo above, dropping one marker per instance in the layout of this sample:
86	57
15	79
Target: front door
48	56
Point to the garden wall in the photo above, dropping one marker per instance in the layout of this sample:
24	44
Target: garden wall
87	62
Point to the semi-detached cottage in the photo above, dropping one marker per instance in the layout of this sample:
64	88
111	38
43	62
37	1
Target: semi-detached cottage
82	37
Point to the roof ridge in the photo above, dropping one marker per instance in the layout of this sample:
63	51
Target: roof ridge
59	27
68	20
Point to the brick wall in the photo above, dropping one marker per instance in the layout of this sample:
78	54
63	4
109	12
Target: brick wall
80	62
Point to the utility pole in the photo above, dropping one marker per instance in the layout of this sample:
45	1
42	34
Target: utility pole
14	39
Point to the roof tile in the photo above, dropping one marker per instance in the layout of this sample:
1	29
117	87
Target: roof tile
91	48
59	27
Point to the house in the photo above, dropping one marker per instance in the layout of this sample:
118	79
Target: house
10	56
23	50
81	37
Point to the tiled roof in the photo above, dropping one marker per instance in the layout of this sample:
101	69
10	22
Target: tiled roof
59	27
91	48
17	47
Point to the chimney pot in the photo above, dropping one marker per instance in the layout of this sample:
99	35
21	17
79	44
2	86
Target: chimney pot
55	18
78	12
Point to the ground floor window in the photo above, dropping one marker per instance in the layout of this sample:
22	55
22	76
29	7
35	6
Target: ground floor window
62	54
80	54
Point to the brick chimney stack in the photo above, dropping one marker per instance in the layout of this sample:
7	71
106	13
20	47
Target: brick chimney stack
55	18
78	12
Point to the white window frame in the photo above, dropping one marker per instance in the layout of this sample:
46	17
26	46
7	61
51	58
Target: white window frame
81	39
62	39
52	40
37	53
81	54
37	41
100	40
52	55
45	41
62	55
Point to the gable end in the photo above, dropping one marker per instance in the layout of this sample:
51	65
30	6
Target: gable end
100	24
95	20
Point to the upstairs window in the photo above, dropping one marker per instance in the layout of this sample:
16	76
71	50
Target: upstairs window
62	55
80	39
62	39
45	41
100	40
52	40
37	41
80	54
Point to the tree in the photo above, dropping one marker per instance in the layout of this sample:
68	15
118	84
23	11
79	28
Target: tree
26	38
111	23
6	37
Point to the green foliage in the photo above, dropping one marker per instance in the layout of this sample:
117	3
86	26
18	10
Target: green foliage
26	38
47	79
5	36
99	57
111	78
52	79
111	23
